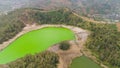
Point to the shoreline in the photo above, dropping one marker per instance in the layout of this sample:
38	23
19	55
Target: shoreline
29	28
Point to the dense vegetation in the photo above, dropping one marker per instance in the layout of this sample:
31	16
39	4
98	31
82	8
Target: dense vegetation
107	10
64	45
40	60
104	40
10	25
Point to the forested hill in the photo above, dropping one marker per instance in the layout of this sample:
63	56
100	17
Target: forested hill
107	10
10	25
104	41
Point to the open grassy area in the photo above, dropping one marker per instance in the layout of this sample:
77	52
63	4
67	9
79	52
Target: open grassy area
84	62
35	42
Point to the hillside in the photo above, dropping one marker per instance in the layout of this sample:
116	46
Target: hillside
9	5
105	10
10	25
104	41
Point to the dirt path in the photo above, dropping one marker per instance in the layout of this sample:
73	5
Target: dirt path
88	19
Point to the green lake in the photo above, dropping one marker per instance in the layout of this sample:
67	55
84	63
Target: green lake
34	42
84	62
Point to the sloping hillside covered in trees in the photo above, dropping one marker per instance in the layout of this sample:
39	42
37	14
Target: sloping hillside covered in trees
107	10
10	25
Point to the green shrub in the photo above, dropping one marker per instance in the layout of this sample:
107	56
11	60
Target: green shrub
64	46
42	60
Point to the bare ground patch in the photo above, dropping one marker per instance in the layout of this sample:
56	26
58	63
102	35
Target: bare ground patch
118	26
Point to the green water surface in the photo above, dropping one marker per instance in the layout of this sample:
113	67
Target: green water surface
84	62
34	42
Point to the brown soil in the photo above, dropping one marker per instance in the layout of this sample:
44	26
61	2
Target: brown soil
118	26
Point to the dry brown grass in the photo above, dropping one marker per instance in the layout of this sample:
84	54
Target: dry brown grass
4	66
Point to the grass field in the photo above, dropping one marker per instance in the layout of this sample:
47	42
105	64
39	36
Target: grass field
84	62
34	42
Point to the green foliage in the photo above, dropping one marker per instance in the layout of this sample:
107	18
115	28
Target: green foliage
104	41
55	17
84	62
40	60
64	46
10	25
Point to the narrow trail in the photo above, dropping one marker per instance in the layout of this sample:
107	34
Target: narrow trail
88	19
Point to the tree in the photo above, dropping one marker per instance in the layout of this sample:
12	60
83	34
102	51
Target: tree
41	60
64	45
